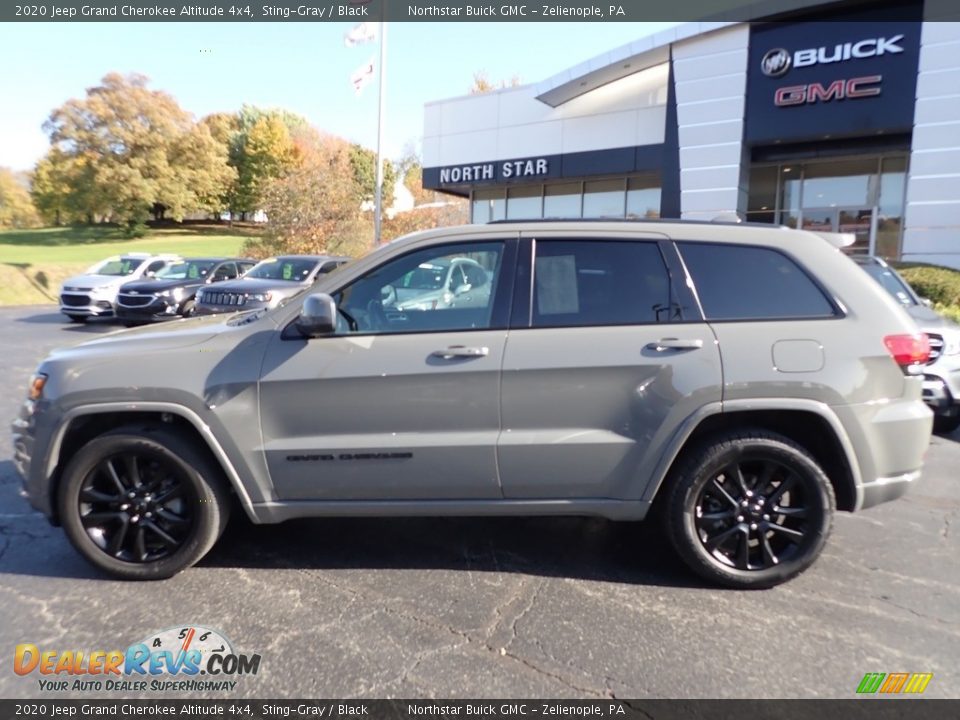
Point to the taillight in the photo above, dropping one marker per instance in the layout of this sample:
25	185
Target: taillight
908	350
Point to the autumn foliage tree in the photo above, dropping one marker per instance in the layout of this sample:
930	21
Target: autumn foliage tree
16	206
125	151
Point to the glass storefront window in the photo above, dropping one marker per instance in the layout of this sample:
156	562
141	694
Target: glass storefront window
524	202
562	201
893	177
603	198
839	182
790	188
488	205
763	190
643	198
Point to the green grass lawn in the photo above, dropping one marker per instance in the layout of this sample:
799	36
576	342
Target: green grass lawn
33	263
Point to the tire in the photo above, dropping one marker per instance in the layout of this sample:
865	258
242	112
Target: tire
190	505
79	319
130	323
186	310
945	424
748	546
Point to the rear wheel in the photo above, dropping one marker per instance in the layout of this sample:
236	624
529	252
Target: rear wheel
749	509
141	503
946	424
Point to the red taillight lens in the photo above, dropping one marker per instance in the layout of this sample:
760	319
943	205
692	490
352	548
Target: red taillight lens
908	349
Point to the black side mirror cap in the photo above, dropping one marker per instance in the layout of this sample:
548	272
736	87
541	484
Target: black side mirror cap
318	316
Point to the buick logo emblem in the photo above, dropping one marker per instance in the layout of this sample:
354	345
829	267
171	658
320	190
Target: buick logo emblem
776	62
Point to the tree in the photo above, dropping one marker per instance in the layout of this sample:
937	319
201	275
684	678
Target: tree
482	84
364	165
413	180
126	150
16	206
311	209
262	148
444	214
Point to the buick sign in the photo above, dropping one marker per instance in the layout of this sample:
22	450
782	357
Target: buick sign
776	62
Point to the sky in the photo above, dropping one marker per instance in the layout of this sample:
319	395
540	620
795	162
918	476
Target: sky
302	67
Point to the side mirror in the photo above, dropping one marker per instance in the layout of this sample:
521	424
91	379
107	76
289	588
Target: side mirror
150	274
463	289
926	301
318	316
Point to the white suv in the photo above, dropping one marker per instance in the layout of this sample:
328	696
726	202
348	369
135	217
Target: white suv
94	294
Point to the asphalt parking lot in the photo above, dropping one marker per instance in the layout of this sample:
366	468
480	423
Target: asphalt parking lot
505	608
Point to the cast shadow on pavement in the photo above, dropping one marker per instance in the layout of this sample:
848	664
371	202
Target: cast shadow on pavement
94	326
576	548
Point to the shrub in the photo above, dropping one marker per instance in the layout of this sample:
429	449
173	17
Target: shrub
939	284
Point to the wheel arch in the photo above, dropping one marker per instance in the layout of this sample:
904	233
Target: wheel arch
82	424
809	423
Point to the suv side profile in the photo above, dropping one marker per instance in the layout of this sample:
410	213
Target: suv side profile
738	383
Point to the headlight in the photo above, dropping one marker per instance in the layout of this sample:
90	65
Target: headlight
951	344
176	293
36	386
101	290
260	297
199	296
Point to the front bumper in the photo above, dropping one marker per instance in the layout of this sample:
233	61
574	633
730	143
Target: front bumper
85	305
157	309
207	309
32	433
886	489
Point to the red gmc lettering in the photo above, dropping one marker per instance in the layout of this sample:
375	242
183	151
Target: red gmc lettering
859	87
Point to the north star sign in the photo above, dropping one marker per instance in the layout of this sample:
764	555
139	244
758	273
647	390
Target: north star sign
509	169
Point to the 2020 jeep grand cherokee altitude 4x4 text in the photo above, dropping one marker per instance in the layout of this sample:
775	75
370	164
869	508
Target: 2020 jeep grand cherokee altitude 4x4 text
743	382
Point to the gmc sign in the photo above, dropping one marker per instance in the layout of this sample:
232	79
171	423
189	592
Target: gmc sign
858	87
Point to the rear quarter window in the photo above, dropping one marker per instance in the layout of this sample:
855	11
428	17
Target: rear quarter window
744	282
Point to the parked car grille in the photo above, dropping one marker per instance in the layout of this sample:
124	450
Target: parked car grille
135	300
936	347
223	298
75	300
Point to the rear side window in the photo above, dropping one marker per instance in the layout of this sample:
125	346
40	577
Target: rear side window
740	282
595	282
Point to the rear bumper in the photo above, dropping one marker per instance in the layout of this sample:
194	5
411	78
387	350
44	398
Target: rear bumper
886	489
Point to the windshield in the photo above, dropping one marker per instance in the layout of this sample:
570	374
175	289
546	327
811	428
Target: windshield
892	283
429	276
289	269
116	266
186	270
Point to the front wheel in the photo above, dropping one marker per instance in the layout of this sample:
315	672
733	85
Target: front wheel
749	509
187	309
142	503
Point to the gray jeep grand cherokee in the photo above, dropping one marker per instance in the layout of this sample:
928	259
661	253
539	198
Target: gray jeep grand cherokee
740	383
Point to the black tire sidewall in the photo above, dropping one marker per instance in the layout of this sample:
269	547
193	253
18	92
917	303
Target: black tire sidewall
710	461
210	510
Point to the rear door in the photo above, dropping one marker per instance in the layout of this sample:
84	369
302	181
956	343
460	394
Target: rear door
607	355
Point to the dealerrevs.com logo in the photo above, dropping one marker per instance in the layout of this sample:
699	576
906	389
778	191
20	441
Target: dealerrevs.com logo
188	658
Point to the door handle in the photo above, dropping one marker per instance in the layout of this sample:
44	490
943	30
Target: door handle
461	351
664	344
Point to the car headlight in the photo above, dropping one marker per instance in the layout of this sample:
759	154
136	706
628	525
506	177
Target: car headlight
951	344
199	296
176	293
260	297
101	290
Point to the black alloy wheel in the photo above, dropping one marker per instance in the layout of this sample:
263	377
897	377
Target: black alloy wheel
143	502
137	507
749	509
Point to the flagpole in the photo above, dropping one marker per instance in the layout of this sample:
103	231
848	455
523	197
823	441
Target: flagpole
378	209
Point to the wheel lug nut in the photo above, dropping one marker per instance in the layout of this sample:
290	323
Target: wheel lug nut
760	501
744	504
766	517
148	514
749	493
135	519
739	518
131	495
753	526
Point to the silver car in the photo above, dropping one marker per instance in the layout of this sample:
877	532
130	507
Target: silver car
941	374
94	293
740	384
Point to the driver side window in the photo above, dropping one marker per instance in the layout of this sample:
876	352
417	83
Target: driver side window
424	291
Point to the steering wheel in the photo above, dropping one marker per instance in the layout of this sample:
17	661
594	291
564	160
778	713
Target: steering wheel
376	317
388	296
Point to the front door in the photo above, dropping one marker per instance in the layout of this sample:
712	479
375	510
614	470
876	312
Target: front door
606	357
403	401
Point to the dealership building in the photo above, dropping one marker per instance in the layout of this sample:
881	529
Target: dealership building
848	122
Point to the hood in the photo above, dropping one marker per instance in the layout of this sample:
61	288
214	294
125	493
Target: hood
250	285
94	281
150	338
929	320
148	287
